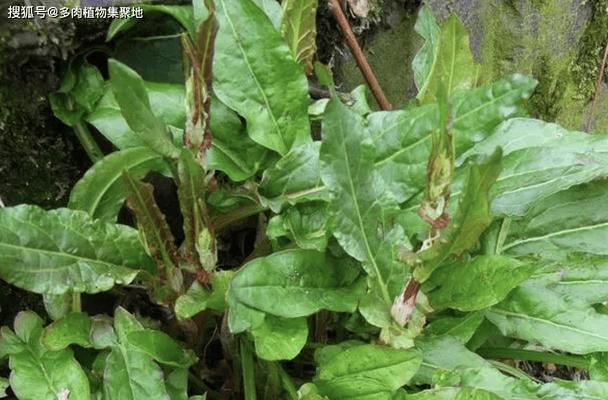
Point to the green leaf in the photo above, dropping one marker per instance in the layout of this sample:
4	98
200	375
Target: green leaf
305	224
73	329
101	192
460	328
131	96
182	14
451	393
471	219
299	29
570	221
360	207
294	178
3	387
427	27
177	384
161	347
271	92
58	306
476	284
131	374
272	9
573	390
446	362
37	373
306	281
541	159
280	338
452	61
198	298
536	313
64	250
152	224
80	90
166	99
364	370
232	151
402	138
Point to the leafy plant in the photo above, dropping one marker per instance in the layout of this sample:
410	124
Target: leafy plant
406	252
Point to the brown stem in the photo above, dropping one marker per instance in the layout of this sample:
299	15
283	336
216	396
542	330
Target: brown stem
598	89
353	45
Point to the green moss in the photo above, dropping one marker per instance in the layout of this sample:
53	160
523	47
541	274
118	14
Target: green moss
541	38
390	54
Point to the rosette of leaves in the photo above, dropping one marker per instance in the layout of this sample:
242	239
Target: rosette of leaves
400	251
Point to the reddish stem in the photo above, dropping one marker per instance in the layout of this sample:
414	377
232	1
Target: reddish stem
598	89
353	45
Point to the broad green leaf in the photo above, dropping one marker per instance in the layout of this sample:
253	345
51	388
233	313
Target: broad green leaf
570	221
451	393
182	14
471	219
3	387
451	61
305	224
460	328
198	298
40	374
536	313
166	99
365	370
102	333
81	88
131	374
232	151
580	279
476	284
130	93
294	178
242	317
299	29
101	191
161	347
446	362
58	306
427	27
152	224
573	390
360	207
541	159
306	281
177	384
402	138
271	92
280	338
64	250
73	329
272	9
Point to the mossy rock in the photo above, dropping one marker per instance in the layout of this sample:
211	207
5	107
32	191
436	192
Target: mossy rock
390	53
559	42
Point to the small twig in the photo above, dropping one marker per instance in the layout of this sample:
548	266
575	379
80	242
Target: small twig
353	45
598	89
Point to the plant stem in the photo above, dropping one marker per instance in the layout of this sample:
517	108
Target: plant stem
88	143
598	90
353	45
514	372
530	355
222	221
76	302
287	383
248	372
